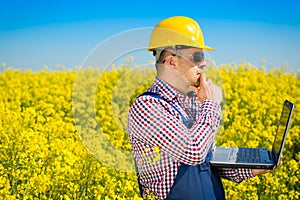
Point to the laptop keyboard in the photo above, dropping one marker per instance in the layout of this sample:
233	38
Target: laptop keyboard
248	155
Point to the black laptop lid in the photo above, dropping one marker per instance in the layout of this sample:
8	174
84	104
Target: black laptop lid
282	129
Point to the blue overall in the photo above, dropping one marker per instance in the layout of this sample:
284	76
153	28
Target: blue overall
195	182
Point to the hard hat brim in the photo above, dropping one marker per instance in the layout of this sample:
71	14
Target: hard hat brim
208	48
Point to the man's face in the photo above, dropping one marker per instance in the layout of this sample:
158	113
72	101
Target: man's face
191	64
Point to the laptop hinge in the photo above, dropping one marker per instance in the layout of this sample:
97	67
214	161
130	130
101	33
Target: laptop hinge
271	155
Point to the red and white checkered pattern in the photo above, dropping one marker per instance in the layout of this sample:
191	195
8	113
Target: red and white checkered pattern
160	141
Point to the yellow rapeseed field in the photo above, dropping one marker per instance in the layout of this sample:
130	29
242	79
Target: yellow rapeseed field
63	133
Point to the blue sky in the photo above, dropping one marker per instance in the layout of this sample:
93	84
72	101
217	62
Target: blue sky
38	33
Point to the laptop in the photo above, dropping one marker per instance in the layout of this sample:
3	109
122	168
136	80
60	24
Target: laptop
256	158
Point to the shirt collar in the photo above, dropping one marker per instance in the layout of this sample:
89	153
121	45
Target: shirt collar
165	90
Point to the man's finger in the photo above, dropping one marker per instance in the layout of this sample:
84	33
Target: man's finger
202	79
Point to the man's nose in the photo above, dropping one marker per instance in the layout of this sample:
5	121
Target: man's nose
201	65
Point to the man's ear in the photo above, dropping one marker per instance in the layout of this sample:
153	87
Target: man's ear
170	61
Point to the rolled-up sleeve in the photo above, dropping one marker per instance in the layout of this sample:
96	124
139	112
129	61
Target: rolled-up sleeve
236	174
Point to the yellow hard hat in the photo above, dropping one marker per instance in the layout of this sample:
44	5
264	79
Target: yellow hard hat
177	30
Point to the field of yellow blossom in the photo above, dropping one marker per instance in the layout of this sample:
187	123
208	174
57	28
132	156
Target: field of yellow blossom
63	133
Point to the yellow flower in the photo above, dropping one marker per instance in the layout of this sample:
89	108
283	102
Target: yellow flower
63	133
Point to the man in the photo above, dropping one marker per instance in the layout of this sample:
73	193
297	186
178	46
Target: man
172	126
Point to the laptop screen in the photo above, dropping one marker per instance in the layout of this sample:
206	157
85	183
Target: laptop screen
282	129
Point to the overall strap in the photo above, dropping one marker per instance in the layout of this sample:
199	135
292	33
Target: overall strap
185	120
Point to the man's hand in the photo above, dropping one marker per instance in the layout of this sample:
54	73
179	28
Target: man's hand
208	90
262	171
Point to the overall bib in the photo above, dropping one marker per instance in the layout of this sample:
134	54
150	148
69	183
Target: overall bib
199	182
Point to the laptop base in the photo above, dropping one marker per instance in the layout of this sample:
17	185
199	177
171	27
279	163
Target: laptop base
224	157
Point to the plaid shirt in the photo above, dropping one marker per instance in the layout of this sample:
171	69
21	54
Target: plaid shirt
160	141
